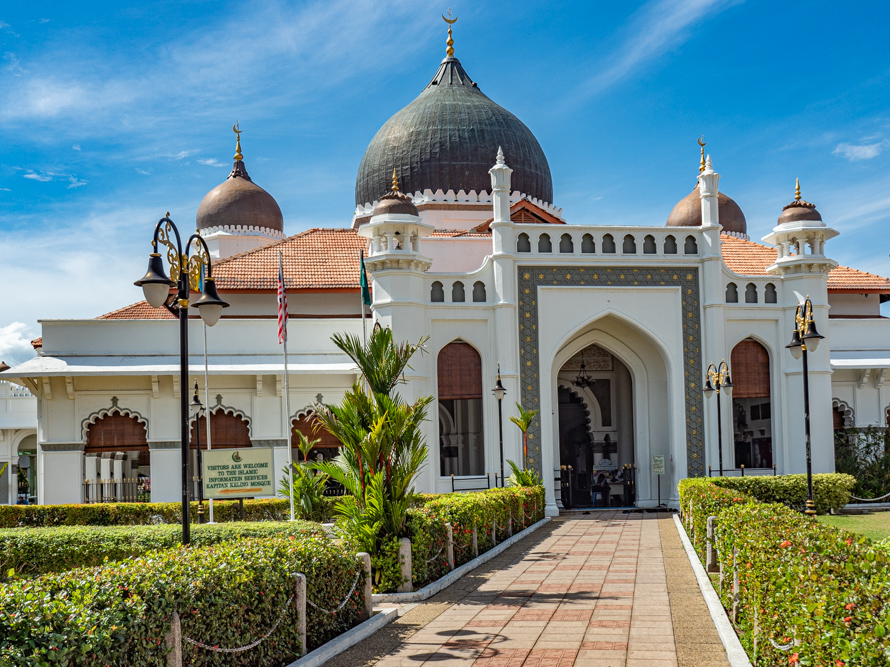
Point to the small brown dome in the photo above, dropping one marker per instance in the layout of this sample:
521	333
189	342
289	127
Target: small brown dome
799	210
687	213
395	203
239	202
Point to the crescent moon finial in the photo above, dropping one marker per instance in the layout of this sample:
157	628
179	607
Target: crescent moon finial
450	42
702	144
236	128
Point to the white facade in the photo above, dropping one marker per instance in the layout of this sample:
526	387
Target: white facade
18	437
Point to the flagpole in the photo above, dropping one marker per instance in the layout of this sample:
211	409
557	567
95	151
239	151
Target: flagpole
361	296
287	434
207	409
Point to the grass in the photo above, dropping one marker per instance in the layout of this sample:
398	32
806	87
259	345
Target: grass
874	526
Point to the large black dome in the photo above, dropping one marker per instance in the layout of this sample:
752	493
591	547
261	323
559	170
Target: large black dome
448	139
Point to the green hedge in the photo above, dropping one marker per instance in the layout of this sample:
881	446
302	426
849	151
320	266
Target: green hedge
226	596
33	551
825	589
134	514
830	490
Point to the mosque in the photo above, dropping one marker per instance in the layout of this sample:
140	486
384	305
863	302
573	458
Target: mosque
607	330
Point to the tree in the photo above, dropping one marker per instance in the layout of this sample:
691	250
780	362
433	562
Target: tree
524	420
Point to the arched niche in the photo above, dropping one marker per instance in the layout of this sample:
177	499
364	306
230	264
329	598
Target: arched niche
460	395
587	244
544	243
228	430
458	293
304	422
437	292
523	244
752	422
479	295
566	245
732	293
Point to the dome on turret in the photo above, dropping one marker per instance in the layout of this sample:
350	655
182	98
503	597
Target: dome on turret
687	213
238	202
445	140
394	202
799	210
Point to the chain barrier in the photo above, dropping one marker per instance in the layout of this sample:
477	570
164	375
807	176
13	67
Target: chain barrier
870	500
342	604
781	647
437	554
217	649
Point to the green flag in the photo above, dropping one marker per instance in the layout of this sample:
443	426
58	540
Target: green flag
363	280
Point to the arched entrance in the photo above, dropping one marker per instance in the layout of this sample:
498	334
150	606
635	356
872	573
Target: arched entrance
596	438
117	461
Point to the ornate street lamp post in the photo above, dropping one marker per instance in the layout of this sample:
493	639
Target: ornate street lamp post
499	392
805	337
185	276
717	379
197	409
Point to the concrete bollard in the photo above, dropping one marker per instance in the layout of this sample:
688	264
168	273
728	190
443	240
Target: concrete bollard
711	564
475	543
450	545
494	532
174	642
300	601
369	602
407	585
510	527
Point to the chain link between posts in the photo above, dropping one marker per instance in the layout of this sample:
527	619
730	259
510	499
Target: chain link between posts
345	600
871	500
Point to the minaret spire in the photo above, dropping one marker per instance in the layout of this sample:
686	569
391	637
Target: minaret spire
702	144
395	180
797	190
236	128
450	42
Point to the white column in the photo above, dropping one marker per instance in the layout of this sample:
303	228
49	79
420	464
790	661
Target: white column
166	481
62	479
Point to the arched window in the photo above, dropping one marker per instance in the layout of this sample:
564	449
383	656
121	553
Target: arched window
461	443
544	244
457	292
437	292
479	292
769	294
116	433
587	244
566	245
691	246
116	449
327	444
649	245
670	245
608	244
523	244
227	431
751	293
630	245
751	405
732	293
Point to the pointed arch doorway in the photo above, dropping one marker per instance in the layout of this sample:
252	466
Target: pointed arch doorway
596	438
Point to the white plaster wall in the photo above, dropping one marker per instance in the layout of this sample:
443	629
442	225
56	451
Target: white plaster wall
61	477
860	305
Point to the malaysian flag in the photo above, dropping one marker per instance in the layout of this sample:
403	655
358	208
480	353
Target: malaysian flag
282	304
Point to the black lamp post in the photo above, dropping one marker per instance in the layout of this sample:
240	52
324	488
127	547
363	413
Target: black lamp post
185	276
717	378
805	337
197	409
499	392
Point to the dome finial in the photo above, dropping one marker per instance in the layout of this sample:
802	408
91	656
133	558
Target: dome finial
450	42
702	144
395	180
236	128
501	161
797	190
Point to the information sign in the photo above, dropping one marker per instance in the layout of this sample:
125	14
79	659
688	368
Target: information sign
238	473
658	465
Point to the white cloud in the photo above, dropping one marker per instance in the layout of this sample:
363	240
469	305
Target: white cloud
655	29
43	178
5	189
74	182
15	343
13	64
47	176
181	155
75	147
856	153
212	162
142	171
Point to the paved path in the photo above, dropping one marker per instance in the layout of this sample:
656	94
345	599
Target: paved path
601	590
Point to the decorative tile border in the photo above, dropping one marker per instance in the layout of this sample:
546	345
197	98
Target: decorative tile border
62	446
531	277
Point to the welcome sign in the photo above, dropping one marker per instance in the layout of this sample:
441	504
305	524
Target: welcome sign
238	473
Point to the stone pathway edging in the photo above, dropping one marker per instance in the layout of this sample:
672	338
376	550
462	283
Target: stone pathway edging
735	652
444	582
347	640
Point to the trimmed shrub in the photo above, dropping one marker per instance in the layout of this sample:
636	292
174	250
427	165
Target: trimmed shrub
831	491
33	551
826	590
699	499
226	596
134	514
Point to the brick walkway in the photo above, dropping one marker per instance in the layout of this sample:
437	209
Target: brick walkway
592	593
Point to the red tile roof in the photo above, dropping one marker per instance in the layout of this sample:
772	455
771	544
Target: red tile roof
751	259
37	343
314	259
138	311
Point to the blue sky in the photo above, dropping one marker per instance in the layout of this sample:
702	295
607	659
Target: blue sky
114	113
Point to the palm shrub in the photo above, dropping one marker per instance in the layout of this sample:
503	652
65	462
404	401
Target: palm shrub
524	477
308	484
524	420
383	449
